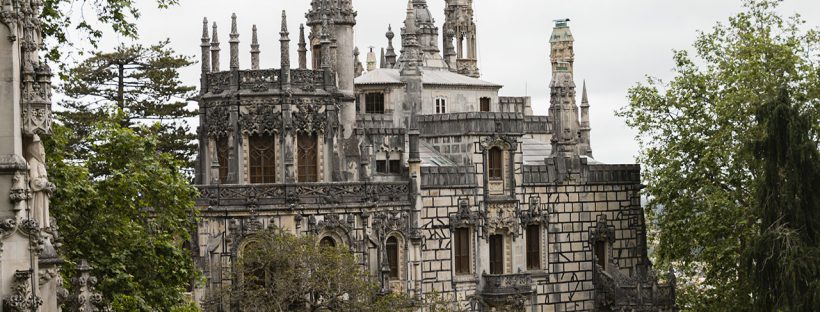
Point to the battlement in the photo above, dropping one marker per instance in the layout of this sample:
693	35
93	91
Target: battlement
482	123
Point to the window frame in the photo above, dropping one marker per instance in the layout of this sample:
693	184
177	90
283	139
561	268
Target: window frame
441	105
462	262
495	164
496	246
533	246
307	164
222	158
261	162
373	108
393	256
484	104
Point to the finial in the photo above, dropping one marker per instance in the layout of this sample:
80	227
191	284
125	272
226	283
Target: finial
234	30
215	50
584	99
214	38
390	33
284	32
254	48
302	48
205	38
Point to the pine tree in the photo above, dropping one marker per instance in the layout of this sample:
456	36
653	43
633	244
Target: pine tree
784	260
141	82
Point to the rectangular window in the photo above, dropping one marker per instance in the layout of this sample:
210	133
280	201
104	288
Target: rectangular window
485	104
262	159
222	157
393	256
307	158
381	166
394	166
600	253
374	103
533	247
496	254
441	106
495	163
462	250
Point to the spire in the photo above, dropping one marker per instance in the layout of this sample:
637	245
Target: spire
206	47
390	56
215	50
411	53
284	42
382	60
302	48
410	21
586	146
234	43
254	49
584	99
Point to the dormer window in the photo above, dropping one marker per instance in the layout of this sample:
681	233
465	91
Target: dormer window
441	106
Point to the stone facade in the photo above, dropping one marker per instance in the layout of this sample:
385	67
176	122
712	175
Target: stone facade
492	207
29	265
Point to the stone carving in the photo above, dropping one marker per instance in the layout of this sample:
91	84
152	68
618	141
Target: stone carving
331	223
219	123
260	119
41	188
85	297
21	299
534	214
501	218
309	119
20	192
501	141
602	231
386	222
465	217
258	80
219	82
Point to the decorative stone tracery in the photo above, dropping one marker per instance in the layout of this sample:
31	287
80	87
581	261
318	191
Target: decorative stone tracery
219	123
260	119
22	299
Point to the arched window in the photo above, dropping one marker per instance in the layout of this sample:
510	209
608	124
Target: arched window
441	106
495	164
262	159
393	256
327	241
307	150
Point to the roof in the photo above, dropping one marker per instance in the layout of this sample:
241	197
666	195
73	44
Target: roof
433	77
535	151
430	157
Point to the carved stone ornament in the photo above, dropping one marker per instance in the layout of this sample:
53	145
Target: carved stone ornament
21	299
535	213
331	223
218	120
386	222
465	217
602	231
501	141
501	217
20	192
309	119
260	119
219	82
85	297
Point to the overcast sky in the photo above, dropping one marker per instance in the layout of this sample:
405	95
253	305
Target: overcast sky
617	43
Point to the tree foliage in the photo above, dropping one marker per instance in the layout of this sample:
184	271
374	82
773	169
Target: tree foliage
127	208
694	134
141	82
783	262
284	272
87	21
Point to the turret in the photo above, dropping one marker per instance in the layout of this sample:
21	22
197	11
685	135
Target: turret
284	60
460	26
371	60
302	48
254	49
206	48
564	113
562	55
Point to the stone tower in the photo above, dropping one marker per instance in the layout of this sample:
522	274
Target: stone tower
562	55
459	26
29	277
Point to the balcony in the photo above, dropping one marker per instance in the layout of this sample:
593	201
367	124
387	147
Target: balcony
617	291
506	289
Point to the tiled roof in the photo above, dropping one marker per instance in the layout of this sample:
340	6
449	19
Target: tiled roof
438	77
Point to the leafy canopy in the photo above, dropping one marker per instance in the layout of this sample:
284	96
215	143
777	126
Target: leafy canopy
143	84
694	133
284	272
128	209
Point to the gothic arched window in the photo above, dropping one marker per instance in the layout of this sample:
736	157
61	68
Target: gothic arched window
327	241
307	153
393	256
262	159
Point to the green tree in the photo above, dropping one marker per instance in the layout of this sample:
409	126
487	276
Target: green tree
280	271
784	260
128	209
694	133
60	18
141	82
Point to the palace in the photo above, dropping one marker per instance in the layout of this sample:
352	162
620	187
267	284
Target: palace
435	182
